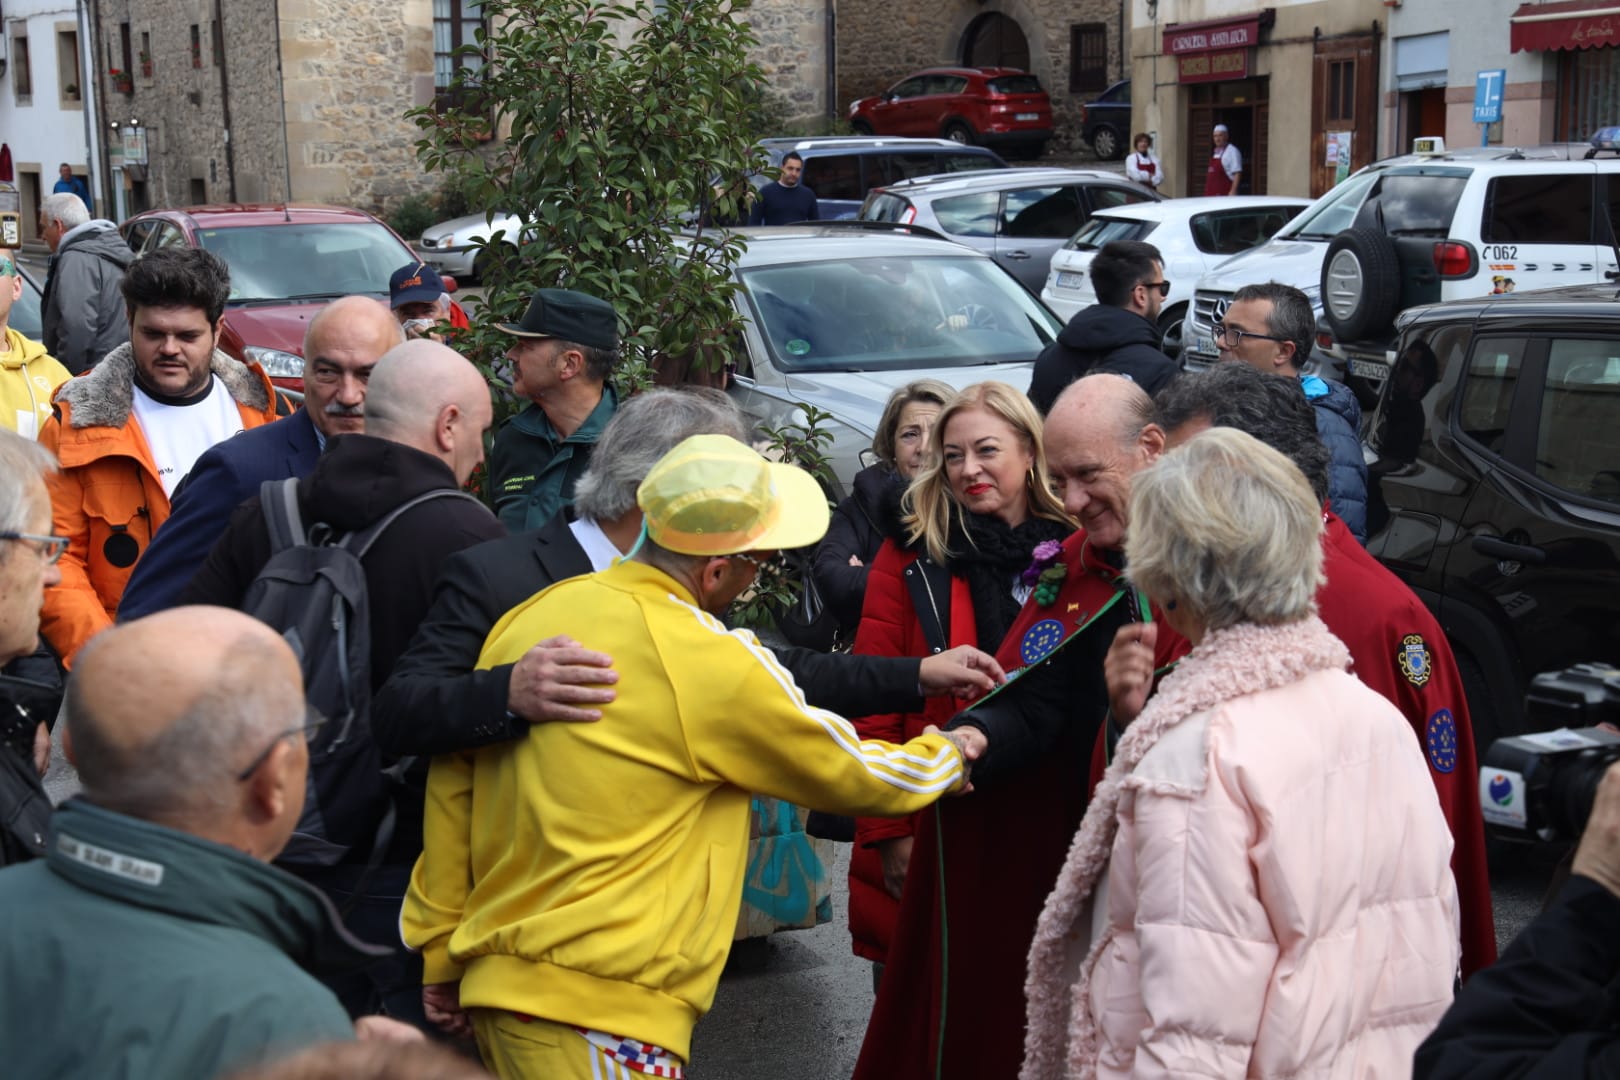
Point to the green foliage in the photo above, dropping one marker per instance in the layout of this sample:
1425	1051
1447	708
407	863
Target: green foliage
803	443
617	120
412	215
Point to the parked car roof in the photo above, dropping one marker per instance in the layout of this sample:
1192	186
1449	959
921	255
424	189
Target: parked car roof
218	215
975	179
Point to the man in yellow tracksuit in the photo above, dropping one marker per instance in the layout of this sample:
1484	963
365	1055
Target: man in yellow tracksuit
578	888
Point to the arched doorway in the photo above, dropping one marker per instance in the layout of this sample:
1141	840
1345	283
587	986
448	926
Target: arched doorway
994	40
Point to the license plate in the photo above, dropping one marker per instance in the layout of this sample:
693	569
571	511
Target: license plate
1204	345
1027	116
1369	369
1068	279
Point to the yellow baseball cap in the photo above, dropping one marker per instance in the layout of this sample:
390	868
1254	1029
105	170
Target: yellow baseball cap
711	495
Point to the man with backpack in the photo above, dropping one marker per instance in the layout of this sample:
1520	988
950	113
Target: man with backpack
379	515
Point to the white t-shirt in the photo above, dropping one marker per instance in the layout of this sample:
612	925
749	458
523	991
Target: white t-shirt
1231	160
598	548
178	434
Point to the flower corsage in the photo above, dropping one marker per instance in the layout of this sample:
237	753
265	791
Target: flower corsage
1046	573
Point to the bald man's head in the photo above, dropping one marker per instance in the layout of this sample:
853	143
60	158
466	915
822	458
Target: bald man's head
1098	435
164	712
343	343
428	396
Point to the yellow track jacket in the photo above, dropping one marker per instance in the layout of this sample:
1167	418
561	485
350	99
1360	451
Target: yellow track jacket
591	874
28	377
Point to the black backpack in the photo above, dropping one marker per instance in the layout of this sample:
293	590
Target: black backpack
313	591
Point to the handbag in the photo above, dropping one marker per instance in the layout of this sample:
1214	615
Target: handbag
808	622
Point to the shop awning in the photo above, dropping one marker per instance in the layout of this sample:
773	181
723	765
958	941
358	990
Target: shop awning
1567	24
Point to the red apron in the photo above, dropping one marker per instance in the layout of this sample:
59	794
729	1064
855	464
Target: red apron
1216	182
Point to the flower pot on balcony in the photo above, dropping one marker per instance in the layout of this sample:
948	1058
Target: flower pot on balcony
123	82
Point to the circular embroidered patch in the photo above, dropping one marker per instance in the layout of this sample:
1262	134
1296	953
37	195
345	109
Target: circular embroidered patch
1413	659
1440	741
1040	639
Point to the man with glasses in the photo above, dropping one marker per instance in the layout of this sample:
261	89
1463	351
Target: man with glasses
188	732
1120	333
29	375
1271	328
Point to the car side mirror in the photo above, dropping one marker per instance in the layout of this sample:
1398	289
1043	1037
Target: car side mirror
868	458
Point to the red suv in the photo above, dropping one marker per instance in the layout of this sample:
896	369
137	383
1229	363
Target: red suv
1002	108
287	262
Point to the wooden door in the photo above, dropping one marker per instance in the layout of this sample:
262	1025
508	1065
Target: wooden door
1344	98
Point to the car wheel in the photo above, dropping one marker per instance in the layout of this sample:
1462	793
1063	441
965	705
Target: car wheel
959	132
1361	284
860	127
1106	143
1170	323
480	267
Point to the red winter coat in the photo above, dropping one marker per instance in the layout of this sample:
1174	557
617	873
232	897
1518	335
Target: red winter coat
889	627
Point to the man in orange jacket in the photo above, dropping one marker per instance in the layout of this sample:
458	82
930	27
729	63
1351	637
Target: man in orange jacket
129	430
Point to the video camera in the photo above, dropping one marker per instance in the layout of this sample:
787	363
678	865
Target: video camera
1542	785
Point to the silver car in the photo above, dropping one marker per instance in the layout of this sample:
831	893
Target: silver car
839	318
452	247
1019	217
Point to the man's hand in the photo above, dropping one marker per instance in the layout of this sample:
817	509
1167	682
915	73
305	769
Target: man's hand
1128	670
1598	856
855	560
386	1029
42	748
963	672
896	856
970	742
552	680
441	1002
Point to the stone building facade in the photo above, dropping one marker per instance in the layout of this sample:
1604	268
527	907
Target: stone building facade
314	95
1075	47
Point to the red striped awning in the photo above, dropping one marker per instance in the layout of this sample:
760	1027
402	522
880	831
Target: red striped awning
1566	24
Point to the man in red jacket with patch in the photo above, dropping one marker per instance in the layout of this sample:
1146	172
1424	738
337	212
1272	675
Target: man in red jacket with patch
1396	646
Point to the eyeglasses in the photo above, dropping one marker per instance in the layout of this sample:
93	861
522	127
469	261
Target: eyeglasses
50	548
1233	337
312	721
1162	286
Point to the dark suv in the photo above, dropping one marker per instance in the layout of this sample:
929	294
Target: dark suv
993	106
1106	122
1494	484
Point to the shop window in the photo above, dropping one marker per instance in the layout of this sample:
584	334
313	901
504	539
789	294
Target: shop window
1531	209
1341	91
1578	442
1493	372
1088	57
22	75
455	25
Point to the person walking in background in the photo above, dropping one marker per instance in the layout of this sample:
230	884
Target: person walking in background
1143	164
785	201
82	315
29	375
844	557
1200	922
67	183
1225	164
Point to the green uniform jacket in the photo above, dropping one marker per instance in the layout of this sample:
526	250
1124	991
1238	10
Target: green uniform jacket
136	951
532	470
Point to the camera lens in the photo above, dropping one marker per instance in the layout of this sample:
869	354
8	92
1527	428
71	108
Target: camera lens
1573	790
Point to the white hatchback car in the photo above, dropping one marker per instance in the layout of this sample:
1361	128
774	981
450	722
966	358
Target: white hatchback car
1193	235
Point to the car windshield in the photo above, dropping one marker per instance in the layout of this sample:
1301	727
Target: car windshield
1014	84
25	317
284	262
1102	230
895	314
1334	213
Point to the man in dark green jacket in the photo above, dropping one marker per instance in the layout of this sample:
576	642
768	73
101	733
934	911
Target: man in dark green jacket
566	346
158	940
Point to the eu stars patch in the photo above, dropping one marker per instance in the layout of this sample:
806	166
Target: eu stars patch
1414	659
1039	640
1440	741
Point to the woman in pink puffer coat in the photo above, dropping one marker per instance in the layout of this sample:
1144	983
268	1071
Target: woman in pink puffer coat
1261	885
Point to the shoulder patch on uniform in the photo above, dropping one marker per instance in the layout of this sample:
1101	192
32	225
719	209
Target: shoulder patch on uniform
1039	640
1413	658
1440	741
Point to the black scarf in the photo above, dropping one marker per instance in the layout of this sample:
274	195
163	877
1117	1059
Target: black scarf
988	553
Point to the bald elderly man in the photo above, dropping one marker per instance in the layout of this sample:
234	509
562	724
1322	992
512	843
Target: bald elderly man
342	344
160	943
426	412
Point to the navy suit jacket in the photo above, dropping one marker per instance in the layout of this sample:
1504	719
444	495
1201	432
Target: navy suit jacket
227	475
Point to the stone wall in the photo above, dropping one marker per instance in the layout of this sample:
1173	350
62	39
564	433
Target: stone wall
177	95
351	71
792	52
880	42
